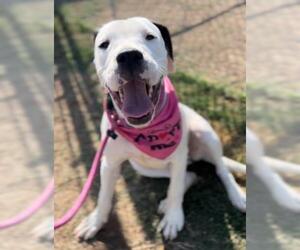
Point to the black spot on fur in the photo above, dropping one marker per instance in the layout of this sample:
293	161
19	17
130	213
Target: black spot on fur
167	38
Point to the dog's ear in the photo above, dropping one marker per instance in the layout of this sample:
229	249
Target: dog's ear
167	38
95	33
168	43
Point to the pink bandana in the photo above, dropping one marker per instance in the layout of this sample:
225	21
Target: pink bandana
162	136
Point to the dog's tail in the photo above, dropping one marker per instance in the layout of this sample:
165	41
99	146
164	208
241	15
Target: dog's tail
234	166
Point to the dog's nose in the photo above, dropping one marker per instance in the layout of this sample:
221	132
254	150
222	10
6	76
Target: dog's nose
130	58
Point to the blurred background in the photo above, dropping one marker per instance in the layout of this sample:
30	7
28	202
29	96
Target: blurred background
26	98
209	47
273	113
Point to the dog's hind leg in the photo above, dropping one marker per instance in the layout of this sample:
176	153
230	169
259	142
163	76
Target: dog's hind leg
234	166
282	167
197	152
205	144
197	148
212	148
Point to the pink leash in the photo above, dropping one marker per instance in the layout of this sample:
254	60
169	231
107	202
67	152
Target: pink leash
86	188
45	196
35	206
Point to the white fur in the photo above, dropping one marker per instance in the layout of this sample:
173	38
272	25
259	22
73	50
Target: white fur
125	35
198	138
45	230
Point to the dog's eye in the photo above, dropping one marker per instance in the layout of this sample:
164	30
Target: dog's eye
150	37
104	45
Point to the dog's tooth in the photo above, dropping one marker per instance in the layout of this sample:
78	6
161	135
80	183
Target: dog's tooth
121	95
150	91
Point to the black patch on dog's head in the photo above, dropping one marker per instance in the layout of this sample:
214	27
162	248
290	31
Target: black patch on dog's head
167	38
95	33
109	103
165	35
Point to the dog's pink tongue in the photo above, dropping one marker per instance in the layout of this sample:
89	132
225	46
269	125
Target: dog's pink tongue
136	101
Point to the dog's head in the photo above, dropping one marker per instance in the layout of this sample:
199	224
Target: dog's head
131	57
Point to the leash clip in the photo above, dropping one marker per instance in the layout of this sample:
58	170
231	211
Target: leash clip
111	133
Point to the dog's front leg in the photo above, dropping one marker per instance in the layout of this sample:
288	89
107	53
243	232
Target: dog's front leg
110	170
173	219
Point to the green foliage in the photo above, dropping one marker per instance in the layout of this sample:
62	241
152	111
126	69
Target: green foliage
212	100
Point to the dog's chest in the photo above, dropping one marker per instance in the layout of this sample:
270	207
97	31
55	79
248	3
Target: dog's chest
145	160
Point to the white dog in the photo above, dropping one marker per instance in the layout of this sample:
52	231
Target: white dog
132	58
266	169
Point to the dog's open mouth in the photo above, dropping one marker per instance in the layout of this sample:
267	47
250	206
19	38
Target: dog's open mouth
137	100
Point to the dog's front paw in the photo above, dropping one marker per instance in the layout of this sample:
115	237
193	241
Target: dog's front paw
45	230
287	197
89	227
172	223
162	207
238	199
